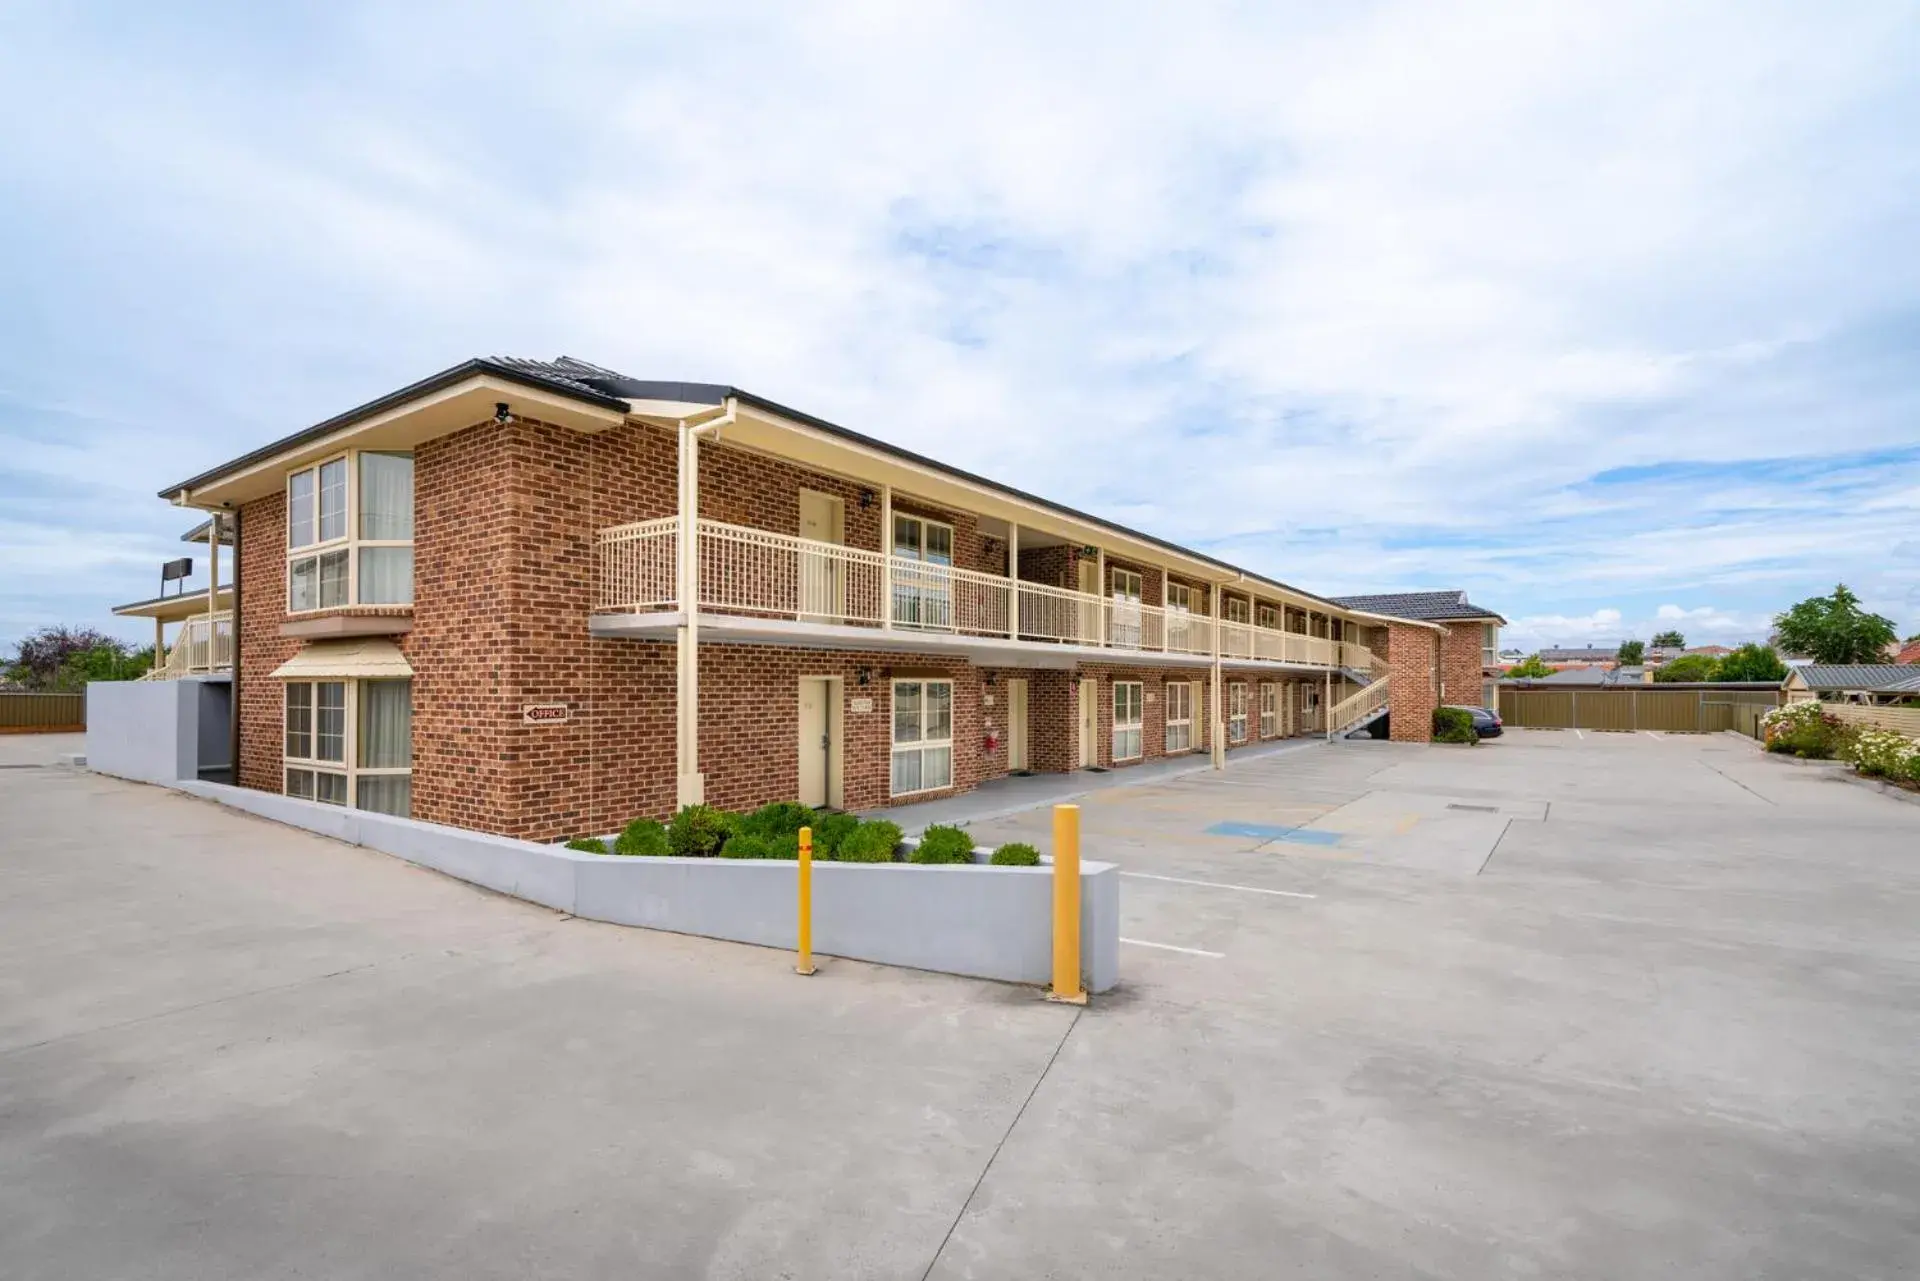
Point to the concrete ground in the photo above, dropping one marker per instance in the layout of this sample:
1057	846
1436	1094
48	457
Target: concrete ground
1598	1006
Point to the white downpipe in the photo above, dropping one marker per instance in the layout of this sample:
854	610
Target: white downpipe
1219	712
691	784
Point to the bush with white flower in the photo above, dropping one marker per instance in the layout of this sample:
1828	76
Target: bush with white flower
1883	753
1805	729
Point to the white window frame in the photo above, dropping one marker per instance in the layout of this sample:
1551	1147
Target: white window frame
1123	609
1489	645
923	744
1237	712
1188	690
1180	597
1134	695
348	767
349	544
923	594
1270	617
1237	610
1269	709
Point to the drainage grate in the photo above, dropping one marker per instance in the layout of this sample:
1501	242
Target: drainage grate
1475	809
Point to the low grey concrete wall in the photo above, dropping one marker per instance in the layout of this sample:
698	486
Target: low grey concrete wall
144	730
982	922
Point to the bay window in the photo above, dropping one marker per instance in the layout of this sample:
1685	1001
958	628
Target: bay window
922	736
333	560
350	743
1126	720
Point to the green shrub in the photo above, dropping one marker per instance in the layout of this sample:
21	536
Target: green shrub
747	845
782	818
698	831
588	845
1453	725
1808	731
1017	854
643	836
873	841
830	831
943	844
1883	753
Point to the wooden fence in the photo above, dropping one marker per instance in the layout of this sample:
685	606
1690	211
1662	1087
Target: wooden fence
1902	720
1674	709
42	713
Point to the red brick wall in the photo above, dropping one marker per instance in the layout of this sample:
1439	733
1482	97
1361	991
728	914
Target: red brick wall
1153	711
263	607
1413	662
1460	666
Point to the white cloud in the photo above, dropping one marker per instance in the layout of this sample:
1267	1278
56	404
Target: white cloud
1408	273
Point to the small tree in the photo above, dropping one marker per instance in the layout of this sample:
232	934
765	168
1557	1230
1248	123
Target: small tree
1688	667
1529	668
1669	640
66	658
1834	629
1632	653
1752	663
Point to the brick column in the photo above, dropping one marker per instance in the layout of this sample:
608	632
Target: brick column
1413	676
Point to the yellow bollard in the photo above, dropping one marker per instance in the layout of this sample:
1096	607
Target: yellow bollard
1066	906
805	964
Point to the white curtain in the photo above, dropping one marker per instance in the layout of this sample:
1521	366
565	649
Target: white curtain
386	497
386	724
386	575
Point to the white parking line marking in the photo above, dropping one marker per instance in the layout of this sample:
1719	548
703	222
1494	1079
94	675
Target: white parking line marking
1168	947
1577	734
1217	885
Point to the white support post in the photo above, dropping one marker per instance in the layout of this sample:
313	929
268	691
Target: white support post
1218	736
690	786
1326	707
1013	580
159	645
1100	591
886	557
213	583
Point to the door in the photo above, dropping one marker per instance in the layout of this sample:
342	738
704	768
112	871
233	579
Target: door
815	742
822	520
1089	628
1088	693
1017	725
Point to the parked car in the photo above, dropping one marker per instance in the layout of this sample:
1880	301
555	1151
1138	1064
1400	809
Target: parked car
1486	723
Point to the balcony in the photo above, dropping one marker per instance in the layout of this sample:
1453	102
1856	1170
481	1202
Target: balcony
204	647
763	585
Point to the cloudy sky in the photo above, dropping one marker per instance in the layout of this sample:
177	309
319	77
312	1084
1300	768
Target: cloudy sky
1608	314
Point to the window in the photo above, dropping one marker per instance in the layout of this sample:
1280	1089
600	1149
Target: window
922	736
1181	633
1270	617
922	592
1237	713
1180	597
350	742
1126	720
1269	710
1179	716
1124	612
1489	645
332	562
1237	609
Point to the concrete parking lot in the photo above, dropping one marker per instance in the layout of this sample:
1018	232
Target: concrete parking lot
1596	1006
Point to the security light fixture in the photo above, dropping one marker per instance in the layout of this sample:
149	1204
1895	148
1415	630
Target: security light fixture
866	499
502	413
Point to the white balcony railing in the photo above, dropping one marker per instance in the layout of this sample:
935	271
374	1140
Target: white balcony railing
760	573
1355	708
193	654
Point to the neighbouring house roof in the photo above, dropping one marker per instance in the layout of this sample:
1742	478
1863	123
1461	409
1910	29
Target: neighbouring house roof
1911	685
365	658
1592	654
1429	607
1909	653
1863	676
1590	676
606	389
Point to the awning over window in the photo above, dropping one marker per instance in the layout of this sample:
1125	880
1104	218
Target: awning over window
364	658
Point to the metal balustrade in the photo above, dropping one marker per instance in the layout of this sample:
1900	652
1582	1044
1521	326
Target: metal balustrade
1355	708
761	573
193	653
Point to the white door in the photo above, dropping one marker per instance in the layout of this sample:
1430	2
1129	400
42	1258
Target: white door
1017	725
815	742
1088	692
821	521
1088	633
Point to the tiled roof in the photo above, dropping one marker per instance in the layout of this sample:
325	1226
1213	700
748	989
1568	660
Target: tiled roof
1426	606
1873	676
1584	654
1910	654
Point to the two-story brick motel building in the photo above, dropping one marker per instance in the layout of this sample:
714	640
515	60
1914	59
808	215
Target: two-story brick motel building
540	598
